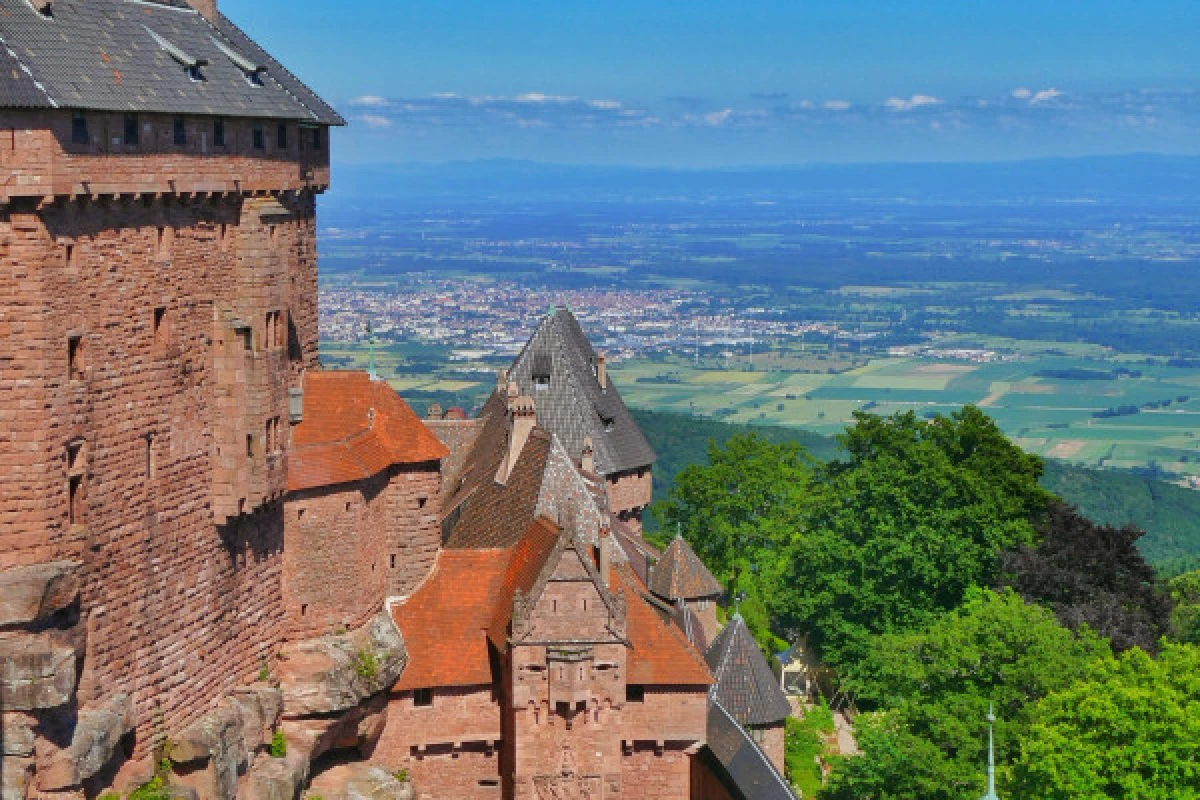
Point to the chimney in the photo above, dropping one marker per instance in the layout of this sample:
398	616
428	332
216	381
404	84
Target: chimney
502	381
587	462
605	558
43	7
602	371
522	419
434	412
207	8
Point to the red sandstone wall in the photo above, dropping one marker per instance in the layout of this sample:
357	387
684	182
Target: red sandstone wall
350	546
771	741
37	158
178	609
650	774
447	748
678	713
411	522
629	493
335	570
706	614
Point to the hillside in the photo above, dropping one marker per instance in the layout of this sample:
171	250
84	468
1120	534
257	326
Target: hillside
1169	514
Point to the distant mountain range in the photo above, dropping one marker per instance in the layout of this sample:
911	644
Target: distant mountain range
1092	179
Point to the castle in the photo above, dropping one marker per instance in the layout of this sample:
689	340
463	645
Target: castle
227	573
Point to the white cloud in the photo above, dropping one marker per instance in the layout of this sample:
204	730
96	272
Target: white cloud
916	101
718	118
1045	96
838	105
543	99
370	100
1022	93
375	122
605	105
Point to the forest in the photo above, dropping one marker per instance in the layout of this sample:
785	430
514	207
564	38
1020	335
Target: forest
937	576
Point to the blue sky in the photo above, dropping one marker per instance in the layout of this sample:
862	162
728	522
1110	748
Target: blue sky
731	82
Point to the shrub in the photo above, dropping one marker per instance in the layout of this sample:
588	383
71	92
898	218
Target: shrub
156	789
366	665
401	775
278	748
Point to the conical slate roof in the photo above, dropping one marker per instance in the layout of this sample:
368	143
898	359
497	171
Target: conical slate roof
746	687
680	574
557	368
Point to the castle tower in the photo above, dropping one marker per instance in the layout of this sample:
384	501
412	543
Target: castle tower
578	402
158	182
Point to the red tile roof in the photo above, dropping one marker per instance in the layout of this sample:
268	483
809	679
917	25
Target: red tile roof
469	596
354	428
659	653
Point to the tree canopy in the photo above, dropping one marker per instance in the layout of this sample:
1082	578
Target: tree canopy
901	529
1092	575
932	689
1131	728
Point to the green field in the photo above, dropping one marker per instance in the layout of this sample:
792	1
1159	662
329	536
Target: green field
1048	404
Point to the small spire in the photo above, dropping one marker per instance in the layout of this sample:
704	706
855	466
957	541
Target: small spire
991	768
371	352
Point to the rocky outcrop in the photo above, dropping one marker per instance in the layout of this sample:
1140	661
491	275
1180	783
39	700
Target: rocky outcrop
277	778
361	782
30	594
336	673
216	749
367	782
35	673
94	738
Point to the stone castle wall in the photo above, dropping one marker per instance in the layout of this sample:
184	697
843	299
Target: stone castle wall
414	533
449	748
112	310
39	159
629	493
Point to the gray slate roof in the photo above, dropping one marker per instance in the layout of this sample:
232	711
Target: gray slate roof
745	687
746	767
574	407
109	55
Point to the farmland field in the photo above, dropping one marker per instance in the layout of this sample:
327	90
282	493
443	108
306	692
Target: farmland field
1039	401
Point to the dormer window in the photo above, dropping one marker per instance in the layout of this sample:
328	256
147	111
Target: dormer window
190	64
251	70
541	383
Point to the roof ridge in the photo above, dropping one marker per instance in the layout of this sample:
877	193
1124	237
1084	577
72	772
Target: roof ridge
285	70
32	78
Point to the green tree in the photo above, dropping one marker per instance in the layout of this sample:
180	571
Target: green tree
742	508
1131	729
933	688
1185	619
898	531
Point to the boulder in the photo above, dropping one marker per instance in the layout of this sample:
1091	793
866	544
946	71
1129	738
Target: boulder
16	734
15	777
277	778
219	739
336	673
260	707
35	673
29	594
95	739
375	783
